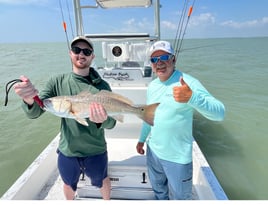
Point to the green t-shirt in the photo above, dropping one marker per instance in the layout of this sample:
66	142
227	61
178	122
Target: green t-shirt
76	139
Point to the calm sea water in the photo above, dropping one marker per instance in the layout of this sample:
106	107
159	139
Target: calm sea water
233	70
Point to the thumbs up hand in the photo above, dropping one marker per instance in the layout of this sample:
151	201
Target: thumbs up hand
182	93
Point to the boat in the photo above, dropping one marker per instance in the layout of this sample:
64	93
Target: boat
127	69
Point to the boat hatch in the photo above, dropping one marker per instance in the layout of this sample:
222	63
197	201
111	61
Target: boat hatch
124	3
129	180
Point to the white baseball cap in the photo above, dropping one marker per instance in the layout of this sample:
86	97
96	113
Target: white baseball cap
163	46
82	38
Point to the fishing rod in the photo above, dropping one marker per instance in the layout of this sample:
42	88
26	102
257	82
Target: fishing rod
189	14
70	21
180	25
64	25
179	40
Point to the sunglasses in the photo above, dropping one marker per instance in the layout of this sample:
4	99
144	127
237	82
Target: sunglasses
86	51
165	57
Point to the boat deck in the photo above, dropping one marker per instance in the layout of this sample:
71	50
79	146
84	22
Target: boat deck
129	189
127	171
123	161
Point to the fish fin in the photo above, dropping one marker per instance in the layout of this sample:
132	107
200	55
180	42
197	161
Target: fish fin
110	94
84	93
82	121
78	119
119	118
115	96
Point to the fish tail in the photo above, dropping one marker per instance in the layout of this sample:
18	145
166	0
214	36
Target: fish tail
148	114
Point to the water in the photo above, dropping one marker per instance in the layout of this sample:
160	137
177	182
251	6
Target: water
233	70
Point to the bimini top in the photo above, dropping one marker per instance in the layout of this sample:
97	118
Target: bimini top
123	3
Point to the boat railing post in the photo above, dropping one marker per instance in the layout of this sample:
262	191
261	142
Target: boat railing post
78	18
157	19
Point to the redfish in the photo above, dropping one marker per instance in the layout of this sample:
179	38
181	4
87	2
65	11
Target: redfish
77	106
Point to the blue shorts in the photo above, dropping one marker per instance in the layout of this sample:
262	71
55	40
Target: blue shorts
169	180
95	167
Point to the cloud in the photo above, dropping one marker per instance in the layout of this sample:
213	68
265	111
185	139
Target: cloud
246	24
132	25
130	21
168	25
265	20
202	19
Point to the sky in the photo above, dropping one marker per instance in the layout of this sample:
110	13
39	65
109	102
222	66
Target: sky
41	20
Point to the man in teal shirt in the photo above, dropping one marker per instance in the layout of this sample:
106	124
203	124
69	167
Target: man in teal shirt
80	147
169	140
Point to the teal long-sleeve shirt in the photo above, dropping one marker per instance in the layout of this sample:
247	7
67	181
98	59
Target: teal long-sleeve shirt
76	140
170	138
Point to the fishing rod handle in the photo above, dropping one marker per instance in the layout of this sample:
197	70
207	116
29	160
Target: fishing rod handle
38	101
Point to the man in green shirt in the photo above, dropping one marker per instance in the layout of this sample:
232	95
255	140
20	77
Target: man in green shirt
80	147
